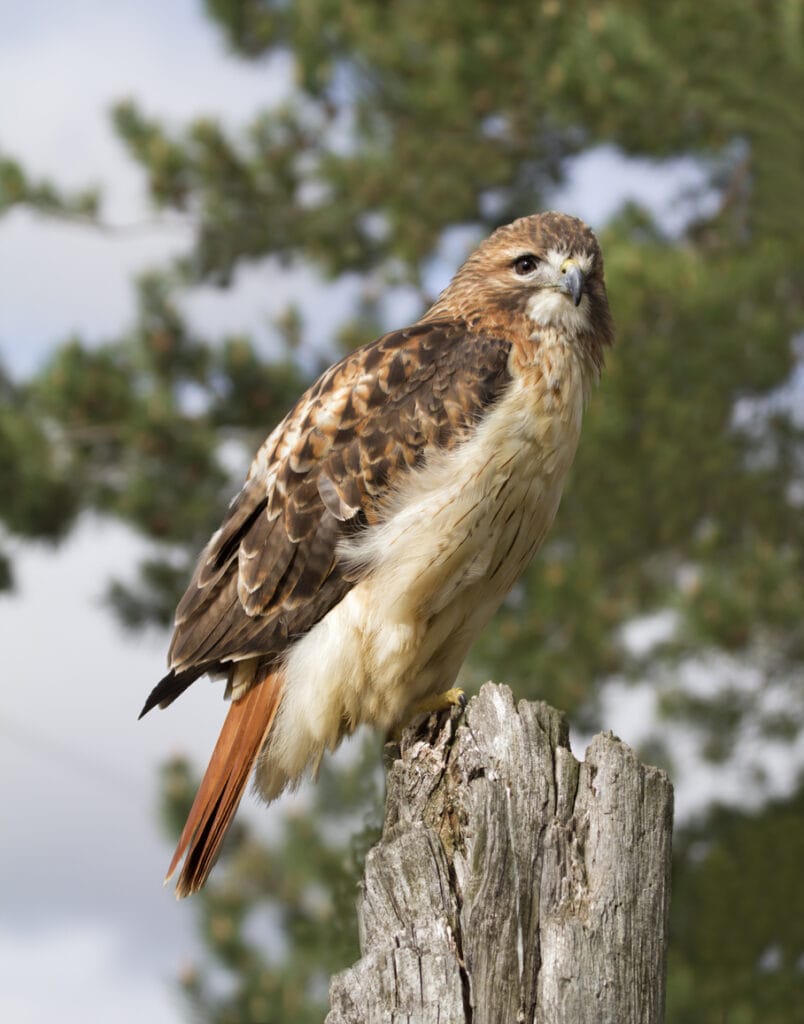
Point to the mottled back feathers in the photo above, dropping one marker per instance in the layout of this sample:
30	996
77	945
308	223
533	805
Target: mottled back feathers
272	570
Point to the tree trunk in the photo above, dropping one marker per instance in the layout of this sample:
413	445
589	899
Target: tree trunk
512	883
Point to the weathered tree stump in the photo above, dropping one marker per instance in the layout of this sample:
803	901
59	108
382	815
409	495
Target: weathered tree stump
512	883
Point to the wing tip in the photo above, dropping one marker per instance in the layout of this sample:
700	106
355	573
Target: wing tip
169	688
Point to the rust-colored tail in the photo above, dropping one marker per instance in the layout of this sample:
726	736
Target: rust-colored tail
246	727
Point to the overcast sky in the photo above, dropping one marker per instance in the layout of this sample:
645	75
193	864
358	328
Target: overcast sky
86	930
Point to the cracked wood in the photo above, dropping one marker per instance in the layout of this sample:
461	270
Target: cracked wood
512	883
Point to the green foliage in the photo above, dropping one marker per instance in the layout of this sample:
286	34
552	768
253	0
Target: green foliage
736	946
135	428
38	498
406	120
17	189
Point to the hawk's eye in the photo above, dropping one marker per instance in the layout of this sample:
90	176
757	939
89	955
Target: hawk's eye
526	264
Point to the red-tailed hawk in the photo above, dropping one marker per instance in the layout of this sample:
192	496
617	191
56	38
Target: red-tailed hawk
387	516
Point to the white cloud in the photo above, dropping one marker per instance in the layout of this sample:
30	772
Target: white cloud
758	768
59	279
640	635
602	179
70	65
60	70
67	66
77	771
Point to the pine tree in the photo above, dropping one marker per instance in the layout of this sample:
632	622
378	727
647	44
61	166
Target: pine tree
407	121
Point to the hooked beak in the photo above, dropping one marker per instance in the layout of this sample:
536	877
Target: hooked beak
572	280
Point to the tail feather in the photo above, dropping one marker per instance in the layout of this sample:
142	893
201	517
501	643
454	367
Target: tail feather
244	731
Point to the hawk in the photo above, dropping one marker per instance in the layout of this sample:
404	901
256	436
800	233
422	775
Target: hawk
387	516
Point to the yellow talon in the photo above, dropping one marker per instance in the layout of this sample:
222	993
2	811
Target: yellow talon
453	698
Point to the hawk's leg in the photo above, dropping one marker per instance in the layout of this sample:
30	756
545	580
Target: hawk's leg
454	698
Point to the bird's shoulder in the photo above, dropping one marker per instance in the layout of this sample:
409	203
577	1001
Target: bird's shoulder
433	371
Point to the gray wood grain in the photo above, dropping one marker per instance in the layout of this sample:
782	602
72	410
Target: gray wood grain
511	883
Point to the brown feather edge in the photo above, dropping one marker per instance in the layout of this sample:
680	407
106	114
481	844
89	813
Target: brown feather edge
244	731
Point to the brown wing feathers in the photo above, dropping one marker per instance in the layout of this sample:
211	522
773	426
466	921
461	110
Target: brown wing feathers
244	731
360	427
170	687
271	571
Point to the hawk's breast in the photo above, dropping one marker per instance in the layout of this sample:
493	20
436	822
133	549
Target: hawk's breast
453	539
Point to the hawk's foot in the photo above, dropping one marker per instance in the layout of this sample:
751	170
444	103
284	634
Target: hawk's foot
454	698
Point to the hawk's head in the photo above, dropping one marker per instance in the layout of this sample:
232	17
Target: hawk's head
537	272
